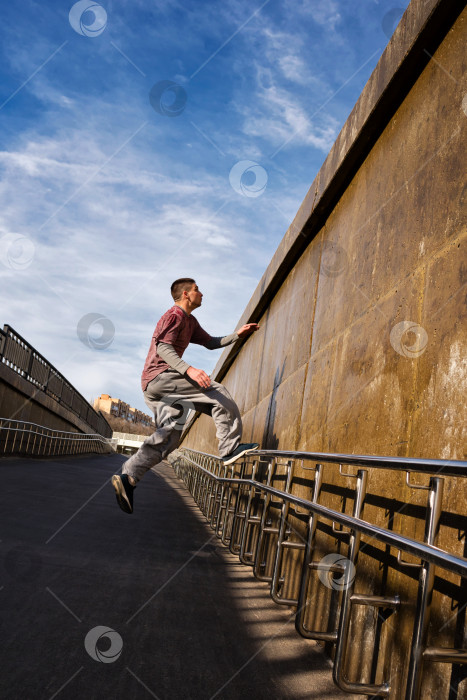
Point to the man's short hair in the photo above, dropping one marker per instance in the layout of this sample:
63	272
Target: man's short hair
181	285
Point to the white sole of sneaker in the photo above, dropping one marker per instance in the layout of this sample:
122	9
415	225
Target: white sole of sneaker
240	454
122	498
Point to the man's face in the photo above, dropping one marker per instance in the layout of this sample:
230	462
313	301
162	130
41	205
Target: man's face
195	296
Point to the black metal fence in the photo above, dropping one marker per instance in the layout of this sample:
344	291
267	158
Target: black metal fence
17	354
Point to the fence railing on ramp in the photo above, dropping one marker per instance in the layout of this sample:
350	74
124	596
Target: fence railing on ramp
251	503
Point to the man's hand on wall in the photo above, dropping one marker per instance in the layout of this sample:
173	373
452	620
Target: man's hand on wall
199	376
247	330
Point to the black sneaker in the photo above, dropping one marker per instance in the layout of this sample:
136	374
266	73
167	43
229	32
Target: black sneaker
124	492
242	449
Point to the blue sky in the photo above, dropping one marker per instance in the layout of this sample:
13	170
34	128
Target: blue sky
107	196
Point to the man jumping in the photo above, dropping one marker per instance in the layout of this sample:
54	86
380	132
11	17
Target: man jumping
171	387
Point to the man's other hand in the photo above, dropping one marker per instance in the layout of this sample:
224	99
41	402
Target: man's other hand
199	376
247	330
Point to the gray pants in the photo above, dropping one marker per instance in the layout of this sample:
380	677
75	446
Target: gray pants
171	396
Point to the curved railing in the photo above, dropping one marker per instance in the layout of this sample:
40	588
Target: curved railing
25	438
241	502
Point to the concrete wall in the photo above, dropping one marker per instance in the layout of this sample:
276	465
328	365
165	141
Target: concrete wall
19	399
379	240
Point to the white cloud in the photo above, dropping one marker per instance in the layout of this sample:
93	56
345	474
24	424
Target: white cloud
282	118
294	69
111	235
326	13
114	249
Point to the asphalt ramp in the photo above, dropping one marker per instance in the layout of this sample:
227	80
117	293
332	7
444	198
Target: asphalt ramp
96	604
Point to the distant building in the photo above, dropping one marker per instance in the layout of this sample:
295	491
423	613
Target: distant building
120	409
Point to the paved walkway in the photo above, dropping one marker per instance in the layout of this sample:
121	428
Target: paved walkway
190	621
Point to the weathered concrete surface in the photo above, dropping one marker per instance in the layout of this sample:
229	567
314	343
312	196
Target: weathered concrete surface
21	400
326	372
194	623
416	38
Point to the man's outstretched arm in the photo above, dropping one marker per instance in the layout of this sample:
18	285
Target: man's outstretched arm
243	332
221	342
169	354
173	359
203	338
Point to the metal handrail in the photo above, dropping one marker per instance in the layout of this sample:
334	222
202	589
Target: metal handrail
443	467
458	565
220	495
76	436
66	442
21	357
54	430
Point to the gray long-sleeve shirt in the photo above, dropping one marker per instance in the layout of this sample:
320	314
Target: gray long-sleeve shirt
170	355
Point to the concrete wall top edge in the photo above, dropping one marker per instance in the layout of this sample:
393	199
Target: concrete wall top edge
12	378
366	121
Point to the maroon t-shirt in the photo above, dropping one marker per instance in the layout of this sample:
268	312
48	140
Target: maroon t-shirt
175	328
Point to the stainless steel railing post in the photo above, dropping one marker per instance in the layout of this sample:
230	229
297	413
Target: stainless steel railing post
228	511
333	635
349	599
198	486
213	500
207	488
209	497
264	529
212	491
238	515
217	498
251	521
346	607
21	442
206	481
197	477
309	546
282	543
222	505
425	592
